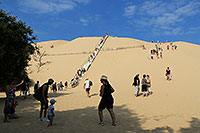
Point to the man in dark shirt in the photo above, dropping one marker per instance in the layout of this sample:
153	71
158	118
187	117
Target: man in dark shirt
136	83
168	73
44	102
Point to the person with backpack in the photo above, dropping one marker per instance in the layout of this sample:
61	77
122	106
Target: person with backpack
36	86
87	85
43	90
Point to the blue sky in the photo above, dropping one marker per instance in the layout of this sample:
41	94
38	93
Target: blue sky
172	20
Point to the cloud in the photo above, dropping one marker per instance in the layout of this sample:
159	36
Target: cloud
48	6
164	16
86	20
129	10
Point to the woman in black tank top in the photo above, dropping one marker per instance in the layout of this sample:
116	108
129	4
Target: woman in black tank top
106	100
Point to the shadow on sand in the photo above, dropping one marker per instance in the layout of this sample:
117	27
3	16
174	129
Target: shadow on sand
194	126
78	120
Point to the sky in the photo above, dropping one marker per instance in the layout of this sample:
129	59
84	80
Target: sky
171	20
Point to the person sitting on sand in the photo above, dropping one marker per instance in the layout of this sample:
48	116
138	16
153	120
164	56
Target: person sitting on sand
144	85
149	85
168	73
87	86
10	97
136	83
106	100
51	112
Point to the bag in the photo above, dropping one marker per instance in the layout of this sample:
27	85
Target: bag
38	94
134	84
90	83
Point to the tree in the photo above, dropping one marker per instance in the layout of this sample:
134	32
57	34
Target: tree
16	46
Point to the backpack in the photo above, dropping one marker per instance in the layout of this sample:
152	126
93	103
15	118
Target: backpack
90	83
38	94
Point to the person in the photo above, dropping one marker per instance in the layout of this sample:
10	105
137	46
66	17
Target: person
54	87
10	98
167	47
175	46
36	86
136	83
157	55
51	112
24	91
12	114
168	73
160	54
66	85
144	85
106	100
72	83
87	86
149	85
44	102
61	86
28	92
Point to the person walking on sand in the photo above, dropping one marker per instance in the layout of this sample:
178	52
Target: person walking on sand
10	97
144	85
44	102
149	85
168	74
106	100
51	112
136	83
160	54
87	85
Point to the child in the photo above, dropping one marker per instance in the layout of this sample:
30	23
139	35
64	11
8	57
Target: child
51	112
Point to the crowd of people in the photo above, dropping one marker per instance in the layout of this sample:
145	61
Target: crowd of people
80	72
158	50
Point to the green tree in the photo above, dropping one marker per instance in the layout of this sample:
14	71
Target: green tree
16	46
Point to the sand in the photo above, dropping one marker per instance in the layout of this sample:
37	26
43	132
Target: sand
173	107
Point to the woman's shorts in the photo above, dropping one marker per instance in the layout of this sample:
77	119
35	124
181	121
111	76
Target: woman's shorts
106	103
144	88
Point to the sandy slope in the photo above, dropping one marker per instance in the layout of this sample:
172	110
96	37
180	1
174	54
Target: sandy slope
172	107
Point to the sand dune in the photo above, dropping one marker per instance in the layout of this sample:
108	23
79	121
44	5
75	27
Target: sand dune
173	107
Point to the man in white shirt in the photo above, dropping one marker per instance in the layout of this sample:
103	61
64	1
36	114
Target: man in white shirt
87	86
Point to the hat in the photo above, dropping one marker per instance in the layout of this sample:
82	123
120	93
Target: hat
103	77
52	101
